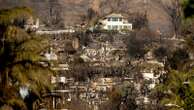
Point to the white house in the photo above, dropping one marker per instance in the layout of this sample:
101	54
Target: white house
115	22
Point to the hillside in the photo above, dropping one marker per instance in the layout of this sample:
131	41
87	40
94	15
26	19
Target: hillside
96	54
68	12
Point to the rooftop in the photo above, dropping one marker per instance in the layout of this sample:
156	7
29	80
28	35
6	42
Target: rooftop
115	15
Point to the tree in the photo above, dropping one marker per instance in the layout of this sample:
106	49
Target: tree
188	22
140	42
122	98
139	21
176	15
55	17
178	60
20	62
15	16
188	7
177	90
161	52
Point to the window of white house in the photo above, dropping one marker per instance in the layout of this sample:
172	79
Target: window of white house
109	19
120	19
114	19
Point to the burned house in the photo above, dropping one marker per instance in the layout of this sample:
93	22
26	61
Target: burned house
109	53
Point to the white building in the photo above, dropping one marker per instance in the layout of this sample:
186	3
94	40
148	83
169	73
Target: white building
115	22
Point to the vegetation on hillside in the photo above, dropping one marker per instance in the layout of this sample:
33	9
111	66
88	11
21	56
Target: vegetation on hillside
175	91
21	74
23	78
15	16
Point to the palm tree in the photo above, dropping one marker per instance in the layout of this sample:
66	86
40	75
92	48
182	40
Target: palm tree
177	90
20	59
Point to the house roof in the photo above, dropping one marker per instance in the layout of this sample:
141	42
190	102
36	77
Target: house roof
115	15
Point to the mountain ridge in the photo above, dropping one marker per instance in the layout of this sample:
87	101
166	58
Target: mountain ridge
68	12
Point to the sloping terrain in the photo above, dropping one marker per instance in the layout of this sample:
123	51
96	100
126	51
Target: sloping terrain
71	12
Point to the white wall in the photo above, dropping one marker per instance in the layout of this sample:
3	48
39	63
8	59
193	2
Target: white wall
121	25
